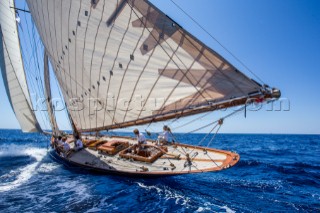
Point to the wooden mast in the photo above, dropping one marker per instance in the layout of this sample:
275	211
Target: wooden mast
50	107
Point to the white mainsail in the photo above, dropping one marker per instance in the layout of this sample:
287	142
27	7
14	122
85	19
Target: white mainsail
12	69
122	61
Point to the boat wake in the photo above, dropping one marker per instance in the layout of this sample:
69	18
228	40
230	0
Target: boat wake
21	175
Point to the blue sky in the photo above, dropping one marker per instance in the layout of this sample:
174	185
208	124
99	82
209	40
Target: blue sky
278	40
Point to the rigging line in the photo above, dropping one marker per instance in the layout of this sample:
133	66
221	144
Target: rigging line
41	32
53	47
213	161
227	116
208	60
214	136
199	144
170	59
61	97
193	120
185	74
28	65
41	112
33	87
148	58
225	48
33	28
32	44
36	52
38	77
217	56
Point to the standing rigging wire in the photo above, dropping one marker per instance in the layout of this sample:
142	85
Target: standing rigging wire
216	40
174	54
193	120
36	65
207	125
36	75
63	102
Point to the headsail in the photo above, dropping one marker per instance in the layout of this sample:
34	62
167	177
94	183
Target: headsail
53	122
12	69
124	62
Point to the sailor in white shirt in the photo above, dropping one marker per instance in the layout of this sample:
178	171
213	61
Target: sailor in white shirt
164	136
140	138
78	144
65	147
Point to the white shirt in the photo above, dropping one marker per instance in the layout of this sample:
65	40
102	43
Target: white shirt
141	138
66	147
60	143
79	144
165	135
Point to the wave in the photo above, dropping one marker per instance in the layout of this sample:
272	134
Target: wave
22	175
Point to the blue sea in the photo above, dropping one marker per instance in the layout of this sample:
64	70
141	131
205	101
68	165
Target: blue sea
276	173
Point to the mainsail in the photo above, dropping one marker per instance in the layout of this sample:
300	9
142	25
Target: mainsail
123	62
12	69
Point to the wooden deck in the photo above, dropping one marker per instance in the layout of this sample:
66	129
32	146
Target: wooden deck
179	159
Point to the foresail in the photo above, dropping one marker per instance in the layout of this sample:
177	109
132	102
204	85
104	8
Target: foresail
52	118
122	63
12	69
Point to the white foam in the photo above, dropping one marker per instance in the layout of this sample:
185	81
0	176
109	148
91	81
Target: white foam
208	208
48	167
26	172
168	194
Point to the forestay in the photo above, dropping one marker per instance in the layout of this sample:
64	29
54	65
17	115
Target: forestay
120	62
12	69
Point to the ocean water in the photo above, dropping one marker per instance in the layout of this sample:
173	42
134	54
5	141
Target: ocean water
276	173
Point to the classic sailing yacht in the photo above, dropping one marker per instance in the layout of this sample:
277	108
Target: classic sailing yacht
124	63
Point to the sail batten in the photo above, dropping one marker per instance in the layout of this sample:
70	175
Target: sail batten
12	69
124	61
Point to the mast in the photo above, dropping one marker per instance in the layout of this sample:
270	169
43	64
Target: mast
48	95
126	63
12	69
